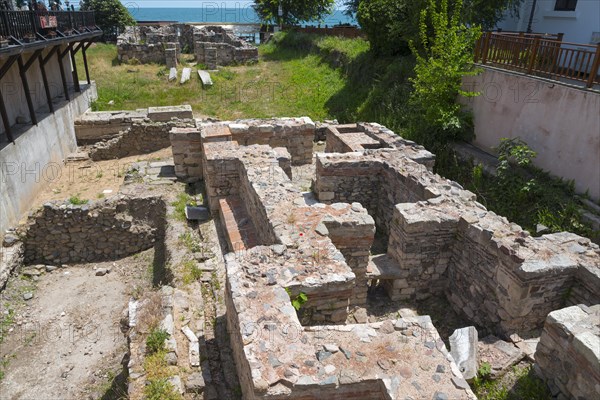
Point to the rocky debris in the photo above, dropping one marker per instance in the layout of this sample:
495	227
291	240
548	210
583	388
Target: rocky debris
10	240
27	296
194	213
172	74
205	78
499	354
102	271
195	383
186	74
463	347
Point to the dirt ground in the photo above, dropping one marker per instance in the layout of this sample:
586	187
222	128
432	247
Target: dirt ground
89	179
66	342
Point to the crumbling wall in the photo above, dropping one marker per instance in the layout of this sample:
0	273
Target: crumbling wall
143	137
442	241
187	153
62	233
568	353
212	45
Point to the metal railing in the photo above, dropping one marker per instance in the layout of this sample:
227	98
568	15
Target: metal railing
24	25
541	55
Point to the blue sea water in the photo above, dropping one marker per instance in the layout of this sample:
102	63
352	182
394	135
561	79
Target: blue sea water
222	15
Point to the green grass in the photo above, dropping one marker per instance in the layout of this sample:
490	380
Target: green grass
524	384
191	272
155	341
296	87
183	199
189	242
77	201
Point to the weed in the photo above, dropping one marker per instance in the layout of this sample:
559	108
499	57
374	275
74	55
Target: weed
8	318
298	301
160	389
183	200
155	341
77	201
188	241
191	272
214	280
100	196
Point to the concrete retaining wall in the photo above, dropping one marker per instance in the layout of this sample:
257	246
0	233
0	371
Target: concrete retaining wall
37	156
559	122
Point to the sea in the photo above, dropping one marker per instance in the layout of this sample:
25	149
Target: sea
216	14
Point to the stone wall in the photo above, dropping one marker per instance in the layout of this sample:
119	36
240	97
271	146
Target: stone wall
212	45
61	233
568	353
92	127
295	134
143	137
187	153
442	241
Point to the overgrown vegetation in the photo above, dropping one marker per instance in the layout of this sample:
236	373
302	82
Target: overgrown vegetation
183	200
297	301
77	201
519	191
522	384
155	341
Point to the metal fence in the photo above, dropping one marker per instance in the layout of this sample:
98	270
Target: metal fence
23	25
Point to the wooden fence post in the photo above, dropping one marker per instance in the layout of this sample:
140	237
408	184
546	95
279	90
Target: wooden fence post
536	44
595	66
486	46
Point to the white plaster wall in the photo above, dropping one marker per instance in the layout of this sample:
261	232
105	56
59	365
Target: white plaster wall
12	91
577	25
37	156
561	123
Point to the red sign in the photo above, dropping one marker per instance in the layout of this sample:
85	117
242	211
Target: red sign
48	22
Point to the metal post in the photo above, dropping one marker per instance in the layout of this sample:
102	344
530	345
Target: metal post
59	56
4	114
85	63
25	82
45	80
74	66
529	27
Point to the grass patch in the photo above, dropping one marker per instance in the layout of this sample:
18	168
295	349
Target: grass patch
183	200
77	201
161	389
189	242
191	272
524	384
155	341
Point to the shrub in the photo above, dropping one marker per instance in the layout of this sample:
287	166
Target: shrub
445	57
155	341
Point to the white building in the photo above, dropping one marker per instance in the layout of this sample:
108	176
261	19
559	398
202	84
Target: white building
579	20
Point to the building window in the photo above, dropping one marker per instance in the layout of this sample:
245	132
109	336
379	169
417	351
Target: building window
565	5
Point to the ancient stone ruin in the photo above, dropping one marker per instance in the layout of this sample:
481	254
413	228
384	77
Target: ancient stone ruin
212	45
307	236
440	242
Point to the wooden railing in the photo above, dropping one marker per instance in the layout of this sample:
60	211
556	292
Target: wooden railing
541	55
30	25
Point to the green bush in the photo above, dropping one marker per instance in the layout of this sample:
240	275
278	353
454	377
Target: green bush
155	341
390	25
443	59
160	389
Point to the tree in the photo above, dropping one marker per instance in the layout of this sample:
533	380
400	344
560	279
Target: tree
391	24
443	58
293	11
111	16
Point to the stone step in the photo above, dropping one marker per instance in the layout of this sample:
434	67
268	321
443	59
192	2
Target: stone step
382	266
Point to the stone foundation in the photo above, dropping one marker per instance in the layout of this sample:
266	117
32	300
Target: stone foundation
212	45
568	354
142	137
61	233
